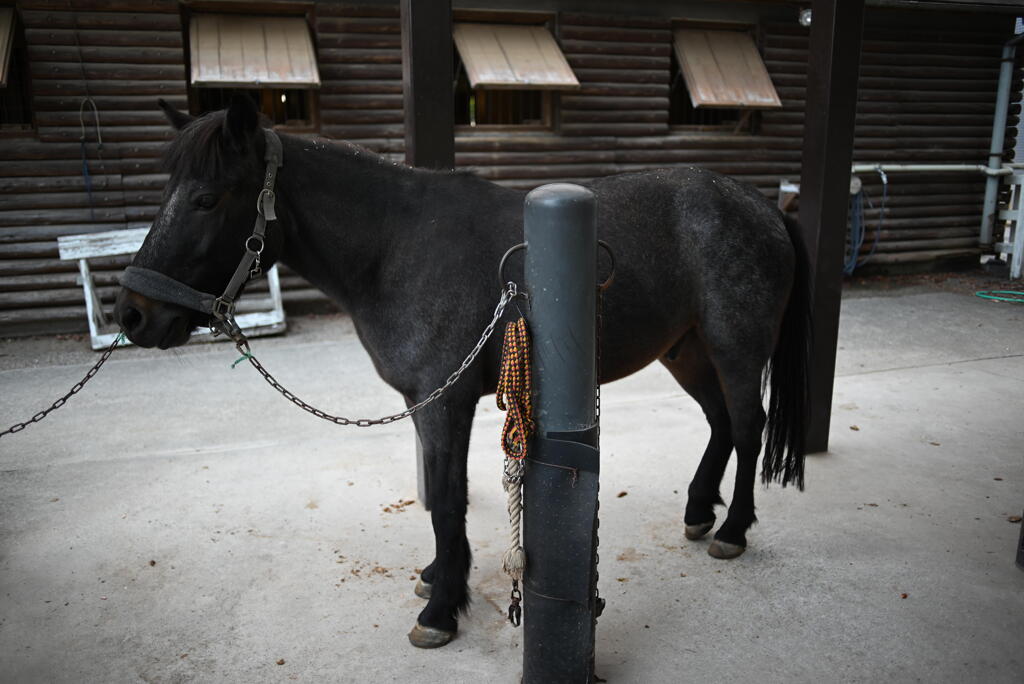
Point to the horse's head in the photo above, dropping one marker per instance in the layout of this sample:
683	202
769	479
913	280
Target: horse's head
216	165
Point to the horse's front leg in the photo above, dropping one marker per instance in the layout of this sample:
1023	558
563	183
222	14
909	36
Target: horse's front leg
444	428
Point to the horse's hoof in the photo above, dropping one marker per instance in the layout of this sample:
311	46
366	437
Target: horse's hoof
429	637
725	550
695	532
423	589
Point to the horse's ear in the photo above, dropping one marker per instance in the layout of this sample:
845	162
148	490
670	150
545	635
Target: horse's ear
178	119
241	121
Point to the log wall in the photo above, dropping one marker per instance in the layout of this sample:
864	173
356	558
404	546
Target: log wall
928	82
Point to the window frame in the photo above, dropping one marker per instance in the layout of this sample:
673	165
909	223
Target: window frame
750	117
304	10
19	63
550	97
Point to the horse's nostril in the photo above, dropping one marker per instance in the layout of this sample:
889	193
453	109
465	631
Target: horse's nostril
130	318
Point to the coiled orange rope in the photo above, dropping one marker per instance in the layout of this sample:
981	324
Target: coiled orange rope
514	394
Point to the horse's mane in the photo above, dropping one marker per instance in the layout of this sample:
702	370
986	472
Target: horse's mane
199	149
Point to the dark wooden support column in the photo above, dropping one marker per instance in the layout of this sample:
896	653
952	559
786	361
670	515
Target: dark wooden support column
428	98
837	27
427	83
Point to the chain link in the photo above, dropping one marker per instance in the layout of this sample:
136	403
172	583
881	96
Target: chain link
18	427
507	295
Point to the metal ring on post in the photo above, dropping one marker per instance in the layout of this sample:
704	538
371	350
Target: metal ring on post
501	266
611	276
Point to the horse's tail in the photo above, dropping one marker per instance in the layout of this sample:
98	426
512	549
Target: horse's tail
787	376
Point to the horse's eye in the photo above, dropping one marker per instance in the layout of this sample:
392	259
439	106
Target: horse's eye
206	201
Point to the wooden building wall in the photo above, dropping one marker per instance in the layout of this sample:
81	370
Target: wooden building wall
928	83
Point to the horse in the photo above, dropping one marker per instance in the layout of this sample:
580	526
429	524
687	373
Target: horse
711	280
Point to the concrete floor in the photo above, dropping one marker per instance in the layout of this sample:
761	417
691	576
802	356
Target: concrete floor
180	522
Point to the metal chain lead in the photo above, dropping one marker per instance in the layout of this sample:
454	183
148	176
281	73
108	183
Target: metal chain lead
507	295
18	427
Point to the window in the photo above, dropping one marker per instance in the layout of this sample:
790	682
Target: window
270	59
15	98
683	115
718	80
505	73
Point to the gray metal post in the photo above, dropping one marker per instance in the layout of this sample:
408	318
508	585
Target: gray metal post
995	150
561	480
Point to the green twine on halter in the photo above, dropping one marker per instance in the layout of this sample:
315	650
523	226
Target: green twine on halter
994	294
244	357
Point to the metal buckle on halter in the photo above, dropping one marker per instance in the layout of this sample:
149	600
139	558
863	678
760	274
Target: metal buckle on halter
265	204
222	308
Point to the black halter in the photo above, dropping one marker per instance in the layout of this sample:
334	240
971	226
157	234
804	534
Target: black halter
156	285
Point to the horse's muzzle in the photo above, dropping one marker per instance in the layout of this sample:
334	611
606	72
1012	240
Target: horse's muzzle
151	323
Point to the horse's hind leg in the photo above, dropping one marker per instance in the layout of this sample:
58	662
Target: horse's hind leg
740	374
689	364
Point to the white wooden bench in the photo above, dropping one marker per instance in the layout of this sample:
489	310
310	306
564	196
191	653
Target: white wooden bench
1011	220
259	314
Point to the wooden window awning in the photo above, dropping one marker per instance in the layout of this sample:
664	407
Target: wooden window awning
238	51
724	69
6	42
512	57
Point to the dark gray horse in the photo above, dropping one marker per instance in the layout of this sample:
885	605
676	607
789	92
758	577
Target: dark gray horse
711	281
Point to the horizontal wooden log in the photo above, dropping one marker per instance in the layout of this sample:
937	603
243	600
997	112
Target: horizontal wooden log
150	117
54	281
35	150
923	256
375	25
100	215
361	101
358	40
612	103
360	131
615	129
618	62
622	76
107	72
51	36
101	20
39	233
595	47
108	104
612	32
107	54
885	246
920	234
60	200
540	158
580	19
332	9
793	96
359	56
46	184
50	297
391	87
361	116
892	132
361	72
985	84
111	134
773	52
15	267
103	5
109	87
624	89
574	116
